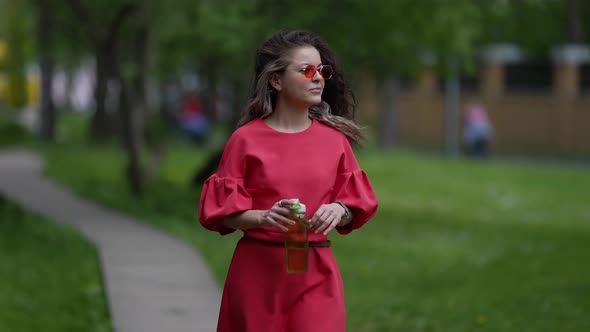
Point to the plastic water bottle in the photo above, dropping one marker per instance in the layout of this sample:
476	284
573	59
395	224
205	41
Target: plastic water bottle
296	242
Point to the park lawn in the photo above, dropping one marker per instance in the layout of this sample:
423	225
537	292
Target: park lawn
49	277
457	245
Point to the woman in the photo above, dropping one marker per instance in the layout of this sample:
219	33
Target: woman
294	140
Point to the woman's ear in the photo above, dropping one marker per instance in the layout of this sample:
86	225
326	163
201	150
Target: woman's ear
275	81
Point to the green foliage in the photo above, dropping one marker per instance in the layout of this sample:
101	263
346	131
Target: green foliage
49	277
455	246
536	26
209	35
380	35
218	38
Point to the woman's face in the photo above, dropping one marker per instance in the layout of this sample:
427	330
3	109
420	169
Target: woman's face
294	86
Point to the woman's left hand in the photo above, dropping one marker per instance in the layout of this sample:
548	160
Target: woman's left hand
326	218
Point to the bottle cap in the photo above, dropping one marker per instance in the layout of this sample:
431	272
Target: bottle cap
296	206
301	208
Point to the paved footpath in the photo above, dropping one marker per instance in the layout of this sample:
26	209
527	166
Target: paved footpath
153	282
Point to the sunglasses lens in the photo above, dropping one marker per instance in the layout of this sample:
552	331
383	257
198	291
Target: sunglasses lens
309	71
327	72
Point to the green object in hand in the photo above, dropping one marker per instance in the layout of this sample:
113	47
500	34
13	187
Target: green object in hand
294	207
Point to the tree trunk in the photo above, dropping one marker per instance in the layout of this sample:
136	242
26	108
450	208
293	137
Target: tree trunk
44	32
104	36
69	86
128	139
388	132
132	111
100	124
139	82
452	109
131	104
156	146
574	25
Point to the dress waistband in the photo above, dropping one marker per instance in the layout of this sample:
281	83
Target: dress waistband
320	244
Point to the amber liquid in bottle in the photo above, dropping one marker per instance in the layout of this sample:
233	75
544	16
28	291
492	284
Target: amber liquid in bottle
296	244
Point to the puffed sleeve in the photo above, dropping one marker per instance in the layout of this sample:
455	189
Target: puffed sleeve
224	192
354	189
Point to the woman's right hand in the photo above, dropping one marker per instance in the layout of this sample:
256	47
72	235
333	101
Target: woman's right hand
277	215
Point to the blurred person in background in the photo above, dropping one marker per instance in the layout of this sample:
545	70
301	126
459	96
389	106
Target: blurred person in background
192	118
294	140
477	130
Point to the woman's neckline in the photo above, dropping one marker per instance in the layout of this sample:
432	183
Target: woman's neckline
313	121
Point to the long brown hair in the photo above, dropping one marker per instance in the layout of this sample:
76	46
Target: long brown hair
338	106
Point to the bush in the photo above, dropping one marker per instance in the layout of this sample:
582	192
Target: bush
12	133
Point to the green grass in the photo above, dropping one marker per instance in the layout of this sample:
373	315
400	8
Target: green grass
467	246
456	245
49	277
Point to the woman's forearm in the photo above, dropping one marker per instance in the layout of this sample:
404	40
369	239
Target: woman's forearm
244	220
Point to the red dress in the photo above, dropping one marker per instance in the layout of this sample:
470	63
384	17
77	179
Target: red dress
259	167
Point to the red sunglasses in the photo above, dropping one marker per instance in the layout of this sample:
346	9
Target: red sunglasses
325	70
